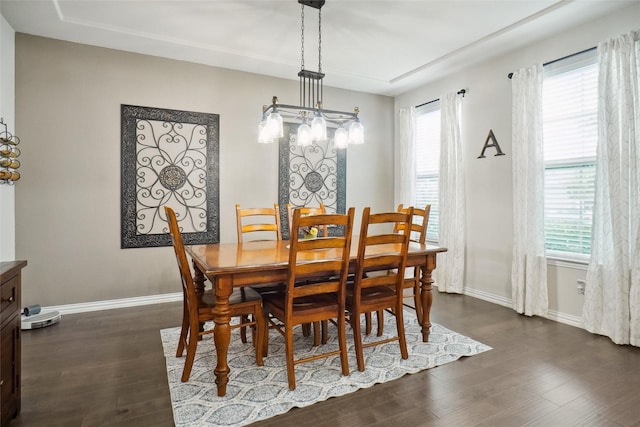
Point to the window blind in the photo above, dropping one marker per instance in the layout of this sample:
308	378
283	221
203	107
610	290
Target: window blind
570	130
428	163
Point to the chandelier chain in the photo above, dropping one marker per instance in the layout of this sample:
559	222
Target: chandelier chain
302	35
319	40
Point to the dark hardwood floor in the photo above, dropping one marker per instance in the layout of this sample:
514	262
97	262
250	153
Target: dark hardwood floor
107	369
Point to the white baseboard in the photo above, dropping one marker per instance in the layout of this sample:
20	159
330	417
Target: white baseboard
177	296
556	316
114	303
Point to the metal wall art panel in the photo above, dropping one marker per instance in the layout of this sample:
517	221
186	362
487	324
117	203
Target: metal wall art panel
311	175
169	157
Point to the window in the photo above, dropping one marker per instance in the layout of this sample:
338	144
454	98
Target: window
570	131
428	163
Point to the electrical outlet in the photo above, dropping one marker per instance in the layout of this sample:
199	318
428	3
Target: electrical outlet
581	285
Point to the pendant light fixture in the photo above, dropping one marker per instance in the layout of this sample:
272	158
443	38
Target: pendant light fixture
311	114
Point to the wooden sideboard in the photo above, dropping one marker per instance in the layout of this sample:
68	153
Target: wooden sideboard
10	303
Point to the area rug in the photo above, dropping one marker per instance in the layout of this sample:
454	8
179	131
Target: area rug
256	393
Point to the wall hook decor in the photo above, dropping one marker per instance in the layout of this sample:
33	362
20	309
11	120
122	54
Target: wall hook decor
9	153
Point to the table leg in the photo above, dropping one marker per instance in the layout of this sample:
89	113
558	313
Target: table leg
426	296
222	331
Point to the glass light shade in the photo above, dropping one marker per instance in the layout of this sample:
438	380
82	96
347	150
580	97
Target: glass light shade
356	133
274	122
341	138
319	128
304	135
263	133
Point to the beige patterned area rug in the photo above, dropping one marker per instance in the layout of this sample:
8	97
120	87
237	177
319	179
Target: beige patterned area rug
255	393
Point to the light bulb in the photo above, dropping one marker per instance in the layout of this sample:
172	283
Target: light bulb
263	133
341	138
319	128
304	135
356	133
274	122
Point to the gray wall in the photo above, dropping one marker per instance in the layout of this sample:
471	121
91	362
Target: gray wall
68	100
486	106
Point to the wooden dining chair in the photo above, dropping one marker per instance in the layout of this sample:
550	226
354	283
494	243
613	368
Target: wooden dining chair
258	223
379	276
255	224
308	210
418	234
309	302
198	307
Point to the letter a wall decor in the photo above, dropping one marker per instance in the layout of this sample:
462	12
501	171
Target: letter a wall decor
491	137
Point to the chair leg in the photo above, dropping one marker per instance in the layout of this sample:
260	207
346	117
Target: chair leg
265	338
259	335
184	331
400	329
325	331
306	329
357	339
367	323
192	345
342	339
380	316
243	329
288	345
316	334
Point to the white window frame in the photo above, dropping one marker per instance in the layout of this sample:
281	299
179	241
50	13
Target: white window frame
580	157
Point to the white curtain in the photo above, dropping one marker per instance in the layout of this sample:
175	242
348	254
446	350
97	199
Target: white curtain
449	274
529	264
612	293
405	163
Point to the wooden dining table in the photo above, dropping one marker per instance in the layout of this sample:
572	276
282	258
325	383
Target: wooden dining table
229	265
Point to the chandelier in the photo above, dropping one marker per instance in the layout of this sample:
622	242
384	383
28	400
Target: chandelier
311	114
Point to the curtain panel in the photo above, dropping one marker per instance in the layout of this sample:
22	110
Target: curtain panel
405	166
449	275
529	264
612	293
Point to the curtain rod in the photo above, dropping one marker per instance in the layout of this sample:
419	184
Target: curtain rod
510	75
460	92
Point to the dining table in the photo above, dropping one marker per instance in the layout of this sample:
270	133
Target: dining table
237	264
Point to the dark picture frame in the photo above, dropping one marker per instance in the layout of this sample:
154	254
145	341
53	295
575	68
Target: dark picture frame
169	157
308	176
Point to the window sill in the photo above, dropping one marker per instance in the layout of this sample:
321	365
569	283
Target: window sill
559	261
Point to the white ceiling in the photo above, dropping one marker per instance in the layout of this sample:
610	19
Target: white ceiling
379	46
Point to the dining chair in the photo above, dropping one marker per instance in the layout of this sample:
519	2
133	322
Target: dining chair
258	223
309	302
198	307
255	224
418	233
379	276
308	210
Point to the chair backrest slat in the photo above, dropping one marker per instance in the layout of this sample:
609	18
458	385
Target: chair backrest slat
308	211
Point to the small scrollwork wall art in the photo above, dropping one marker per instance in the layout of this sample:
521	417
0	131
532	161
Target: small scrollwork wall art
169	157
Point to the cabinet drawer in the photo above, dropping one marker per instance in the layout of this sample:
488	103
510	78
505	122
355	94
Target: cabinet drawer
9	298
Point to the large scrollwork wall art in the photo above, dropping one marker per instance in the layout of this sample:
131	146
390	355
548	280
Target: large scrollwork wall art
169	157
311	175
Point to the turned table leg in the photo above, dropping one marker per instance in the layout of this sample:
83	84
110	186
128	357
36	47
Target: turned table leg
222	331
426	295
